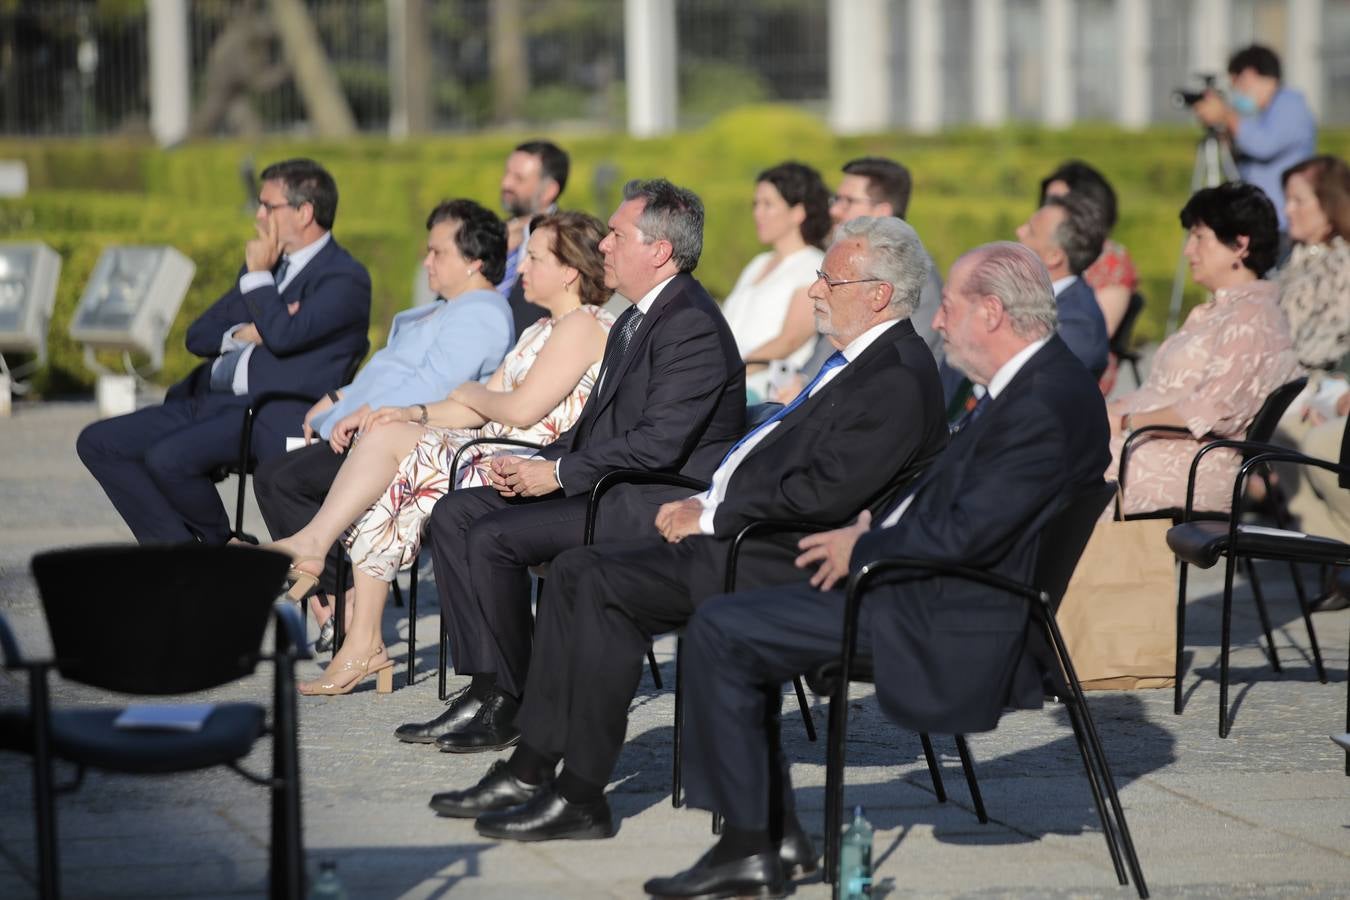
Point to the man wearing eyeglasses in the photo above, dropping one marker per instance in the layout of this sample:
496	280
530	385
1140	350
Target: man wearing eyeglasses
865	425
875	186
295	319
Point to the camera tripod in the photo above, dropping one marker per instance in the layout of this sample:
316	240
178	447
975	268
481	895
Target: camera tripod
1214	165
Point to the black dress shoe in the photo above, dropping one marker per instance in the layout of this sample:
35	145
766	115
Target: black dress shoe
459	711
498	789
548	817
797	854
760	875
492	728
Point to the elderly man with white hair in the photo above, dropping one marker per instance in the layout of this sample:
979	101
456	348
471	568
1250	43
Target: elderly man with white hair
864	428
944	651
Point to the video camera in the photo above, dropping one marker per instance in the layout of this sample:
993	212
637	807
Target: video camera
1183	97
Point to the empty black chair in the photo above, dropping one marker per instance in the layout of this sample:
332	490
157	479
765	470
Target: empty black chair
1061	544
1203	543
134	640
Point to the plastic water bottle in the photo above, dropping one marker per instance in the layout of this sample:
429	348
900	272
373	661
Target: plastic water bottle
855	859
328	886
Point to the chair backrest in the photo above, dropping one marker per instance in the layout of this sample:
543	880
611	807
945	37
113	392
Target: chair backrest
1120	340
355	364
1268	416
1065	537
170	619
1344	480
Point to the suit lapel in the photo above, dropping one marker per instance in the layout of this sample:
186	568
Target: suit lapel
313	267
613	377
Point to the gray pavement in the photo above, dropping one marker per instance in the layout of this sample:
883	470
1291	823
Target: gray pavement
1263	813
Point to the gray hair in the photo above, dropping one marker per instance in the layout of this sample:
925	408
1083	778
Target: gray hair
895	255
670	213
1017	277
1082	232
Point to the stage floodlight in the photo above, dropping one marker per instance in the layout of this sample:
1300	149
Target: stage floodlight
28	276
131	300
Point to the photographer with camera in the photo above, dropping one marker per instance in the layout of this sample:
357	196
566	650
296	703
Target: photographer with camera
1269	125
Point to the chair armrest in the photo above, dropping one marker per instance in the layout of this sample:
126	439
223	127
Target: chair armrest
9	646
251	413
761	528
859	581
1246	448
1128	447
631	476
477	442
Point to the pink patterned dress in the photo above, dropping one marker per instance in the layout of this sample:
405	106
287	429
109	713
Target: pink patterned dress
1216	371
388	536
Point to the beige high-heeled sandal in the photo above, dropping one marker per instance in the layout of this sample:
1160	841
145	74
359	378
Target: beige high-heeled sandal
338	682
299	583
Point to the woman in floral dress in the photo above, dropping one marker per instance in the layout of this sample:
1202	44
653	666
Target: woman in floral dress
1212	376
400	467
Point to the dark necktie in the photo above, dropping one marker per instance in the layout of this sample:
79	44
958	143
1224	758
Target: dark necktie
632	321
971	414
834	361
279	273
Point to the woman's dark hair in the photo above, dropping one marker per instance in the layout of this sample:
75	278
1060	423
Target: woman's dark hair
576	243
1233	210
1330	178
481	235
801	184
1086	182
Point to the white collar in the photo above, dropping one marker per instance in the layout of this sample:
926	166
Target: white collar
860	343
1010	368
645	304
300	258
1059	284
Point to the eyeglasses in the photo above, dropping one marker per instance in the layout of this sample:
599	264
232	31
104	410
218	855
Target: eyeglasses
273	207
852	201
832	283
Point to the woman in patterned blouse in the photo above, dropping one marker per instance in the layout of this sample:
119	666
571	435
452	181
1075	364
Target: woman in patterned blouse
386	488
1213	374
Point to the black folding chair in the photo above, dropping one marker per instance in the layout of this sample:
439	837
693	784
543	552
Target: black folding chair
1060	545
1123	338
136	645
246	464
1203	543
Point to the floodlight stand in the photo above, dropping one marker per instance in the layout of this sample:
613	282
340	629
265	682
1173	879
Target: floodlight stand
116	393
17	373
142	376
1214	165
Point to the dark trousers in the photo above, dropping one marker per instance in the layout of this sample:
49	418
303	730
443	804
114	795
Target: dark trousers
154	464
738	650
482	546
602	607
290	489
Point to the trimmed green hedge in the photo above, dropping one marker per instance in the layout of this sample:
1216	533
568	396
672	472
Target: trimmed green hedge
971	186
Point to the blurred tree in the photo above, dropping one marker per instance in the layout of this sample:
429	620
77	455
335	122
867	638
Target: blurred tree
510	62
329	114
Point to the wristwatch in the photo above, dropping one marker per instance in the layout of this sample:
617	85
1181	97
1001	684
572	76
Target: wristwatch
423	408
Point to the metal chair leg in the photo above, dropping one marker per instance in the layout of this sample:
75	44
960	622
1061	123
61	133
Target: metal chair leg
834	779
805	708
656	670
968	766
1259	596
44	793
412	621
397	591
1109	831
934	770
1180	664
676	782
1306	610
1225	641
339	605
445	652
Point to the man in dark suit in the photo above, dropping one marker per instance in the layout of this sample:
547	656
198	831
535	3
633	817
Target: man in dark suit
295	320
533	179
670	397
1067	233
865	426
944	650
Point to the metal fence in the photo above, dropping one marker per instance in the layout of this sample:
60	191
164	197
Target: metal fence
70	67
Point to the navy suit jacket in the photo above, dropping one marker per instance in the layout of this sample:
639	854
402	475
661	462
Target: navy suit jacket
310	352
674	403
1083	327
946	650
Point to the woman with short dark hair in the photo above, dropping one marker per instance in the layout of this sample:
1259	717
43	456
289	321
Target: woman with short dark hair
1213	374
768	310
